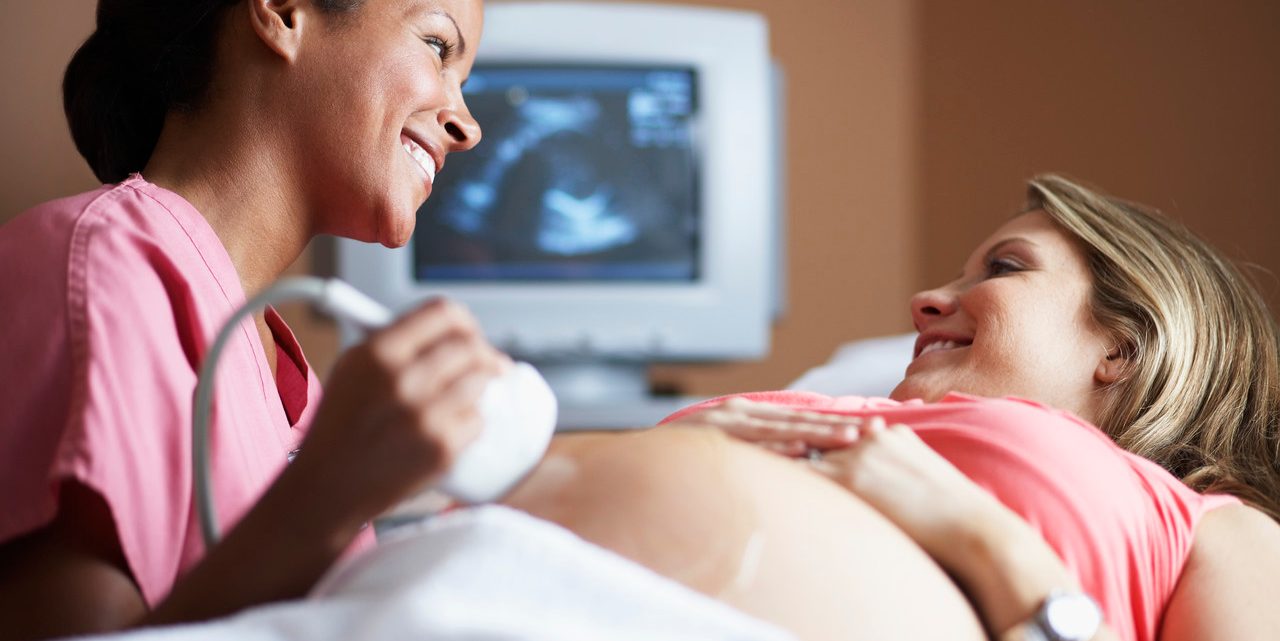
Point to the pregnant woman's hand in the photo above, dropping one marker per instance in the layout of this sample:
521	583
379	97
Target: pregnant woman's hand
1002	562
785	430
889	467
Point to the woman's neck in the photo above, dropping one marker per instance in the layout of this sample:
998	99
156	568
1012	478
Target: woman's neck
238	178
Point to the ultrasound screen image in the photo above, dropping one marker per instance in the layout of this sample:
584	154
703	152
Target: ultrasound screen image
584	173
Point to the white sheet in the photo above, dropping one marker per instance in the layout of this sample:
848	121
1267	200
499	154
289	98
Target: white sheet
868	367
488	573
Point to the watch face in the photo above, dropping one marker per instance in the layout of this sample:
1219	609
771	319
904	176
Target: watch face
1071	616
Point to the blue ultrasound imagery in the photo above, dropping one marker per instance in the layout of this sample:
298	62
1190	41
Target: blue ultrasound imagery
583	173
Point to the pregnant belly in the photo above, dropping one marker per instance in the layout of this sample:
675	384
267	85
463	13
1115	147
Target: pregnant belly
757	531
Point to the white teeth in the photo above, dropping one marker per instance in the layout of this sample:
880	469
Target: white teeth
935	346
423	159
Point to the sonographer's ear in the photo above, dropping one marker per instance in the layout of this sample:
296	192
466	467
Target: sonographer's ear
280	24
1113	365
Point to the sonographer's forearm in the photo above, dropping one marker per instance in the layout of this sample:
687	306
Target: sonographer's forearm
277	552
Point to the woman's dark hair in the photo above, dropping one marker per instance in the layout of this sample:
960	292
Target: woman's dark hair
146	57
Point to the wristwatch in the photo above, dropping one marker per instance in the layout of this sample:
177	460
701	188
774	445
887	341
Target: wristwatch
1065	615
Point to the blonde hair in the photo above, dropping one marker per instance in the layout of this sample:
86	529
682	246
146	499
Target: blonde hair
1200	392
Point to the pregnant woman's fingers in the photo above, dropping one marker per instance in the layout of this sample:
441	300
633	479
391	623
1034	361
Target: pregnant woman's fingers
780	427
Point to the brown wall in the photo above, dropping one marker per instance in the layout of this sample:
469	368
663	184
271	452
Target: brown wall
37	159
852	127
1174	104
912	125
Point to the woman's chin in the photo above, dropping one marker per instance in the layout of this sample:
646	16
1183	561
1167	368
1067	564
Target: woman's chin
395	243
901	392
912	388
396	229
397	214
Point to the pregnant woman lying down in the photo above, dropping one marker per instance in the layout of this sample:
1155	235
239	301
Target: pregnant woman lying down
960	513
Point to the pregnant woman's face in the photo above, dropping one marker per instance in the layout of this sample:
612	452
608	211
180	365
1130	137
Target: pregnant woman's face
1017	322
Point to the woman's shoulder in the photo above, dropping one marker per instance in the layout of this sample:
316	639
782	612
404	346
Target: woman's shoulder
48	235
111	237
125	260
1229	577
1231	521
37	248
1229	527
133	205
47	224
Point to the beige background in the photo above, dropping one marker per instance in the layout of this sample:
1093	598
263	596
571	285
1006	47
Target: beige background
912	126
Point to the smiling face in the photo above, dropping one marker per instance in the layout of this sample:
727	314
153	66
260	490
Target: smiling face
378	107
1015	323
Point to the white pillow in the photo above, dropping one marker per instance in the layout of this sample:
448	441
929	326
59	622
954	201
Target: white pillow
868	367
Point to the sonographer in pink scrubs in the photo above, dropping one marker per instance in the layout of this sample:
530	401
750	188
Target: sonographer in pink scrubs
226	136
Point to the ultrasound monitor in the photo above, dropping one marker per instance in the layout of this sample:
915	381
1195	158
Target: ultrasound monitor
620	209
588	174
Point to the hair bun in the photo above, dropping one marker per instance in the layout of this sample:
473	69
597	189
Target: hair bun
114	118
146	57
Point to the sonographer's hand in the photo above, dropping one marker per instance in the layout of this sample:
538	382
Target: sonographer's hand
785	430
399	408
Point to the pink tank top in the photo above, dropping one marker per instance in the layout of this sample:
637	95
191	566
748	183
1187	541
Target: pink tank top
1121	523
110	301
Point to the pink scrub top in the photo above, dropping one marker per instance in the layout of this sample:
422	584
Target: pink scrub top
108	302
1122	524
